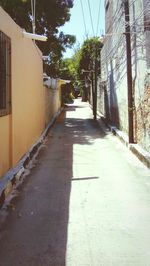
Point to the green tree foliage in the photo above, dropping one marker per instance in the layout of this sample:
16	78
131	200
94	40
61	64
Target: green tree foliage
89	65
90	55
84	65
82	62
50	15
69	66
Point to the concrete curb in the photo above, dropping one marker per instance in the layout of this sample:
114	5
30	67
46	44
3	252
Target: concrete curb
14	174
136	149
142	155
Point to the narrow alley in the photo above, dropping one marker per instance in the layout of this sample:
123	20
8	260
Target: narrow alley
84	201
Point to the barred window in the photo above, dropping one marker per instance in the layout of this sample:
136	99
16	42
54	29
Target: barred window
5	74
146	6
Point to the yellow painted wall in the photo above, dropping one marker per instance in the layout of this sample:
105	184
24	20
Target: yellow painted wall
33	105
28	97
4	143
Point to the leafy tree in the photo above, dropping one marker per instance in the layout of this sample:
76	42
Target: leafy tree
89	56
82	63
84	68
89	64
68	68
50	15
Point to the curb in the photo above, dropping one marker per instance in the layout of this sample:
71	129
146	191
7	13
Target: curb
12	177
136	149
142	155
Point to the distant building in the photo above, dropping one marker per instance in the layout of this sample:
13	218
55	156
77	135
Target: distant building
113	85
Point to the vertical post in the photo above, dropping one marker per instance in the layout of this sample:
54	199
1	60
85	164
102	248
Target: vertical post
95	85
129	72
92	84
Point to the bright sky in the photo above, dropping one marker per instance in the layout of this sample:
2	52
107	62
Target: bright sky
89	24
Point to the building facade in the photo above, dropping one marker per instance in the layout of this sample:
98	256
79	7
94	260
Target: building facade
114	88
26	106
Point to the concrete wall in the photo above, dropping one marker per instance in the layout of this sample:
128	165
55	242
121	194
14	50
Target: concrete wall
21	129
113	65
142	119
52	100
146	8
140	72
114	73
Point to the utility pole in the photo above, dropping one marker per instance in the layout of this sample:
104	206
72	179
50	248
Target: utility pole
94	83
95	86
129	72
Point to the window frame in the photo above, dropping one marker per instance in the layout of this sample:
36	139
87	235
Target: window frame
5	74
146	16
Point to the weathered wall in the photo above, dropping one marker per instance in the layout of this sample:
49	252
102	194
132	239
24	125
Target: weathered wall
140	65
146	12
114	69
143	118
52	101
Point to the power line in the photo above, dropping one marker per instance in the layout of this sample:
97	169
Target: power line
83	17
94	29
98	17
91	17
138	22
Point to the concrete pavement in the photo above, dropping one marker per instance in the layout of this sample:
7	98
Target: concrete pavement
84	201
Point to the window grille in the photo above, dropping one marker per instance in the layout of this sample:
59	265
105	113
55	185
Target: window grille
146	6
5	74
146	23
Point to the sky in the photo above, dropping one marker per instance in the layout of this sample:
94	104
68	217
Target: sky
76	25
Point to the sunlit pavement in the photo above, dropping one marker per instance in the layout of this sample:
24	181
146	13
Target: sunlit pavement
84	201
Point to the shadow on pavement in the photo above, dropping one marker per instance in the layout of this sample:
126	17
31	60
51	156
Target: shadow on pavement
35	229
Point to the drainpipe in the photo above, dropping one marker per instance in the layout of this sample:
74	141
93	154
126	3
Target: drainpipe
129	72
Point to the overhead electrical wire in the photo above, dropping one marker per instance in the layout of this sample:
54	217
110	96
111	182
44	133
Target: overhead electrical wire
113	19
99	9
91	17
136	22
96	28
83	17
116	14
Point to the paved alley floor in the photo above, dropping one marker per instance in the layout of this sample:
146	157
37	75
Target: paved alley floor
84	201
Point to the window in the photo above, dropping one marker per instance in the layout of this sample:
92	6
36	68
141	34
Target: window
146	17
5	74
146	6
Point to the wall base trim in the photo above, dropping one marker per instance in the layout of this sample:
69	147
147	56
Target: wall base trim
12	177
